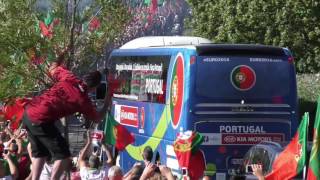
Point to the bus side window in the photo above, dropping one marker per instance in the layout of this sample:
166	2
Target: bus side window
139	78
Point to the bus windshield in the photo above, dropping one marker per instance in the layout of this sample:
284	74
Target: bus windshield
232	77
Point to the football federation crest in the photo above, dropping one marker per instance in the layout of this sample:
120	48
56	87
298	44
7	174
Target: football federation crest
243	77
182	147
174	90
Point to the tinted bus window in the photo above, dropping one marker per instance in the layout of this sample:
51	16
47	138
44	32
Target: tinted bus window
139	78
233	77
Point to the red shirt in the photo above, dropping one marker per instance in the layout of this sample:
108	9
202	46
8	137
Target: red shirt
66	97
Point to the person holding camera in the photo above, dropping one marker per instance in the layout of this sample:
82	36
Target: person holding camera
12	167
68	95
94	169
257	171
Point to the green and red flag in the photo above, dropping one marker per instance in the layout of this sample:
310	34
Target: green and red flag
94	24
197	165
116	134
48	20
314	162
46	26
14	112
292	159
46	31
177	92
186	144
154	6
147	2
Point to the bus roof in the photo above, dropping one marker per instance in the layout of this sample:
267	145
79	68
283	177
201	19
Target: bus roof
216	49
164	41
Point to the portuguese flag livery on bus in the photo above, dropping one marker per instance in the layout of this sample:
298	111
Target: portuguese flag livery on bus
117	134
243	77
176	96
292	159
314	162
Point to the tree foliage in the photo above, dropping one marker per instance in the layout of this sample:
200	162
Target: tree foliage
79	32
291	23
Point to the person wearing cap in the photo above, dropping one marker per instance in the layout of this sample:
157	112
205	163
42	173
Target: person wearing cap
68	95
257	171
93	169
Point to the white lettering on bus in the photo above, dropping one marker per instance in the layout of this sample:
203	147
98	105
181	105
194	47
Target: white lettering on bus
128	115
258	139
122	67
242	129
265	60
139	67
154	86
214	59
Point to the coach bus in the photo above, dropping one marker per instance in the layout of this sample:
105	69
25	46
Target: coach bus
234	95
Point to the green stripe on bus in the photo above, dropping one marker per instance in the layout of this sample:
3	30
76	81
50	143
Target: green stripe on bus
136	151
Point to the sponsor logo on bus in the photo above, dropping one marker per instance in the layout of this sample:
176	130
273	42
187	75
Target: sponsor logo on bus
127	115
240	138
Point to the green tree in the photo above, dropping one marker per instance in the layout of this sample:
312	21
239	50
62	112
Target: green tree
291	23
32	36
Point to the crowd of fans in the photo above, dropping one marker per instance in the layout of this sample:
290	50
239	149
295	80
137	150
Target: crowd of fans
14	157
91	164
166	19
97	162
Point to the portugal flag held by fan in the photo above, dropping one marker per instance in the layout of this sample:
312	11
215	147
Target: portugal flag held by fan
116	134
314	162
189	156
14	112
186	144
292	159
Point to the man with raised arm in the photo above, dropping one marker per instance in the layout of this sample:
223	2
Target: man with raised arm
68	95
94	169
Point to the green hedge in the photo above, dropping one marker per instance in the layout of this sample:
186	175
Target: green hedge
308	93
308	86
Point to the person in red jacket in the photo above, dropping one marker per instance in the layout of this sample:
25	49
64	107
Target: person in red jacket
68	95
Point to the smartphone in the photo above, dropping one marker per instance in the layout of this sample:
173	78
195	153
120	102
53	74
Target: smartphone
6	151
249	169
